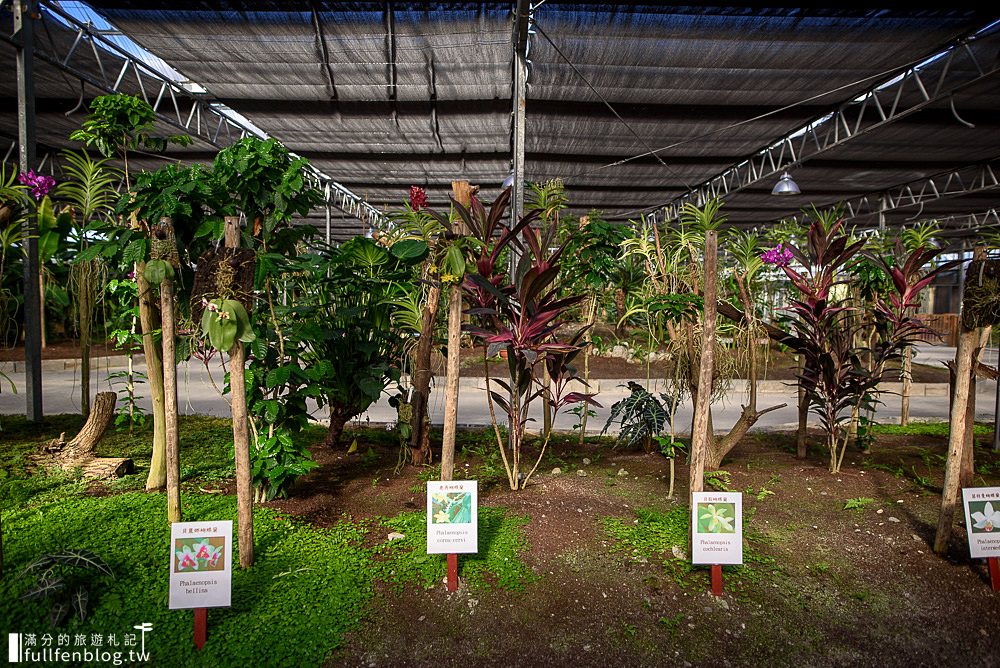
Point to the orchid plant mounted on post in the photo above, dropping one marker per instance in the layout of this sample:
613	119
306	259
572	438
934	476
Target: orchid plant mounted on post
520	314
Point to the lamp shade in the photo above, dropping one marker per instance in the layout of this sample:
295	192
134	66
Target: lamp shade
786	186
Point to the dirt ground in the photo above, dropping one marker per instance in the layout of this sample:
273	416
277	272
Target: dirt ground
826	587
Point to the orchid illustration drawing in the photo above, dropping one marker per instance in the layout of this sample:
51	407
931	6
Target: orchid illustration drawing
987	520
716	518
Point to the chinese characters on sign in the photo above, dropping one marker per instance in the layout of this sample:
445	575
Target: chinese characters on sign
717	528
982	521
452	517
201	564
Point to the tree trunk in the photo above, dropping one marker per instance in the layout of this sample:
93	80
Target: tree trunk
149	320
420	451
721	447
699	432
81	448
339	417
241	435
170	396
86	308
968	452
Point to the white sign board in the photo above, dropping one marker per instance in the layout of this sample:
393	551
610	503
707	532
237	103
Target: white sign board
982	520
452	517
201	564
717	528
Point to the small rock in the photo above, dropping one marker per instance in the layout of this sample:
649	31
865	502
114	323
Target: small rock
822	493
724	604
422	618
581	473
622	472
556	471
586	462
679	553
397	536
708	608
586	648
915	537
984	633
893	519
638	560
879	511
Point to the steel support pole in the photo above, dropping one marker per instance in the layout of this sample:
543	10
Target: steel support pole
522	16
326	205
23	35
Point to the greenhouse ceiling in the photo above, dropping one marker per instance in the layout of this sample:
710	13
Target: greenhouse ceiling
638	108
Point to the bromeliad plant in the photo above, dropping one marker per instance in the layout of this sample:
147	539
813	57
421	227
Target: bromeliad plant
520	314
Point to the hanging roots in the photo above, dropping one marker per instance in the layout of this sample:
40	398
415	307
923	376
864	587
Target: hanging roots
227	273
981	298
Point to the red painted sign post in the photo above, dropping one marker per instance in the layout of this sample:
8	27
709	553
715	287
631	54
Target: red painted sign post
994	564
452	572
717	579
200	627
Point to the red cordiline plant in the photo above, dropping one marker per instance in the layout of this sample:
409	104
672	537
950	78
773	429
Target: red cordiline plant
521	315
824	326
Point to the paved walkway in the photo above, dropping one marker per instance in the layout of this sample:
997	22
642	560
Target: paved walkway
197	395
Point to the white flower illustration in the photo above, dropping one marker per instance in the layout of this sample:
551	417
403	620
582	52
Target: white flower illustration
988	520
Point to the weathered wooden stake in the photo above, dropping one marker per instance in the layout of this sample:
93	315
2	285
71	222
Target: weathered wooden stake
702	404
462	193
170	395
967	342
904	411
241	436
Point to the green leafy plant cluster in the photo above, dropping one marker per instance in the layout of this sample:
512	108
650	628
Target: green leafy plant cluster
302	574
641	417
65	579
858	503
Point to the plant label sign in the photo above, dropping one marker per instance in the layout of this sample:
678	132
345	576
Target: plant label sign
452	517
982	521
201	564
717	528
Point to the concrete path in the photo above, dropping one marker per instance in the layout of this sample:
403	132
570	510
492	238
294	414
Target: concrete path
197	395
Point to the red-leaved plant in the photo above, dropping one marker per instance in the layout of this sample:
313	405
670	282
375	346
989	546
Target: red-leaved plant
824	326
521	315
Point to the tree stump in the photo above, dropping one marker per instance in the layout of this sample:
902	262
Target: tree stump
79	452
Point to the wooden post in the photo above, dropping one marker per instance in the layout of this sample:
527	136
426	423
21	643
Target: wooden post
702	404
967	342
904	411
993	563
241	436
801	446
168	334
462	193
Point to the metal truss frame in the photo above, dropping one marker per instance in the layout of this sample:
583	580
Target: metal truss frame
969	61
198	116
968	180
